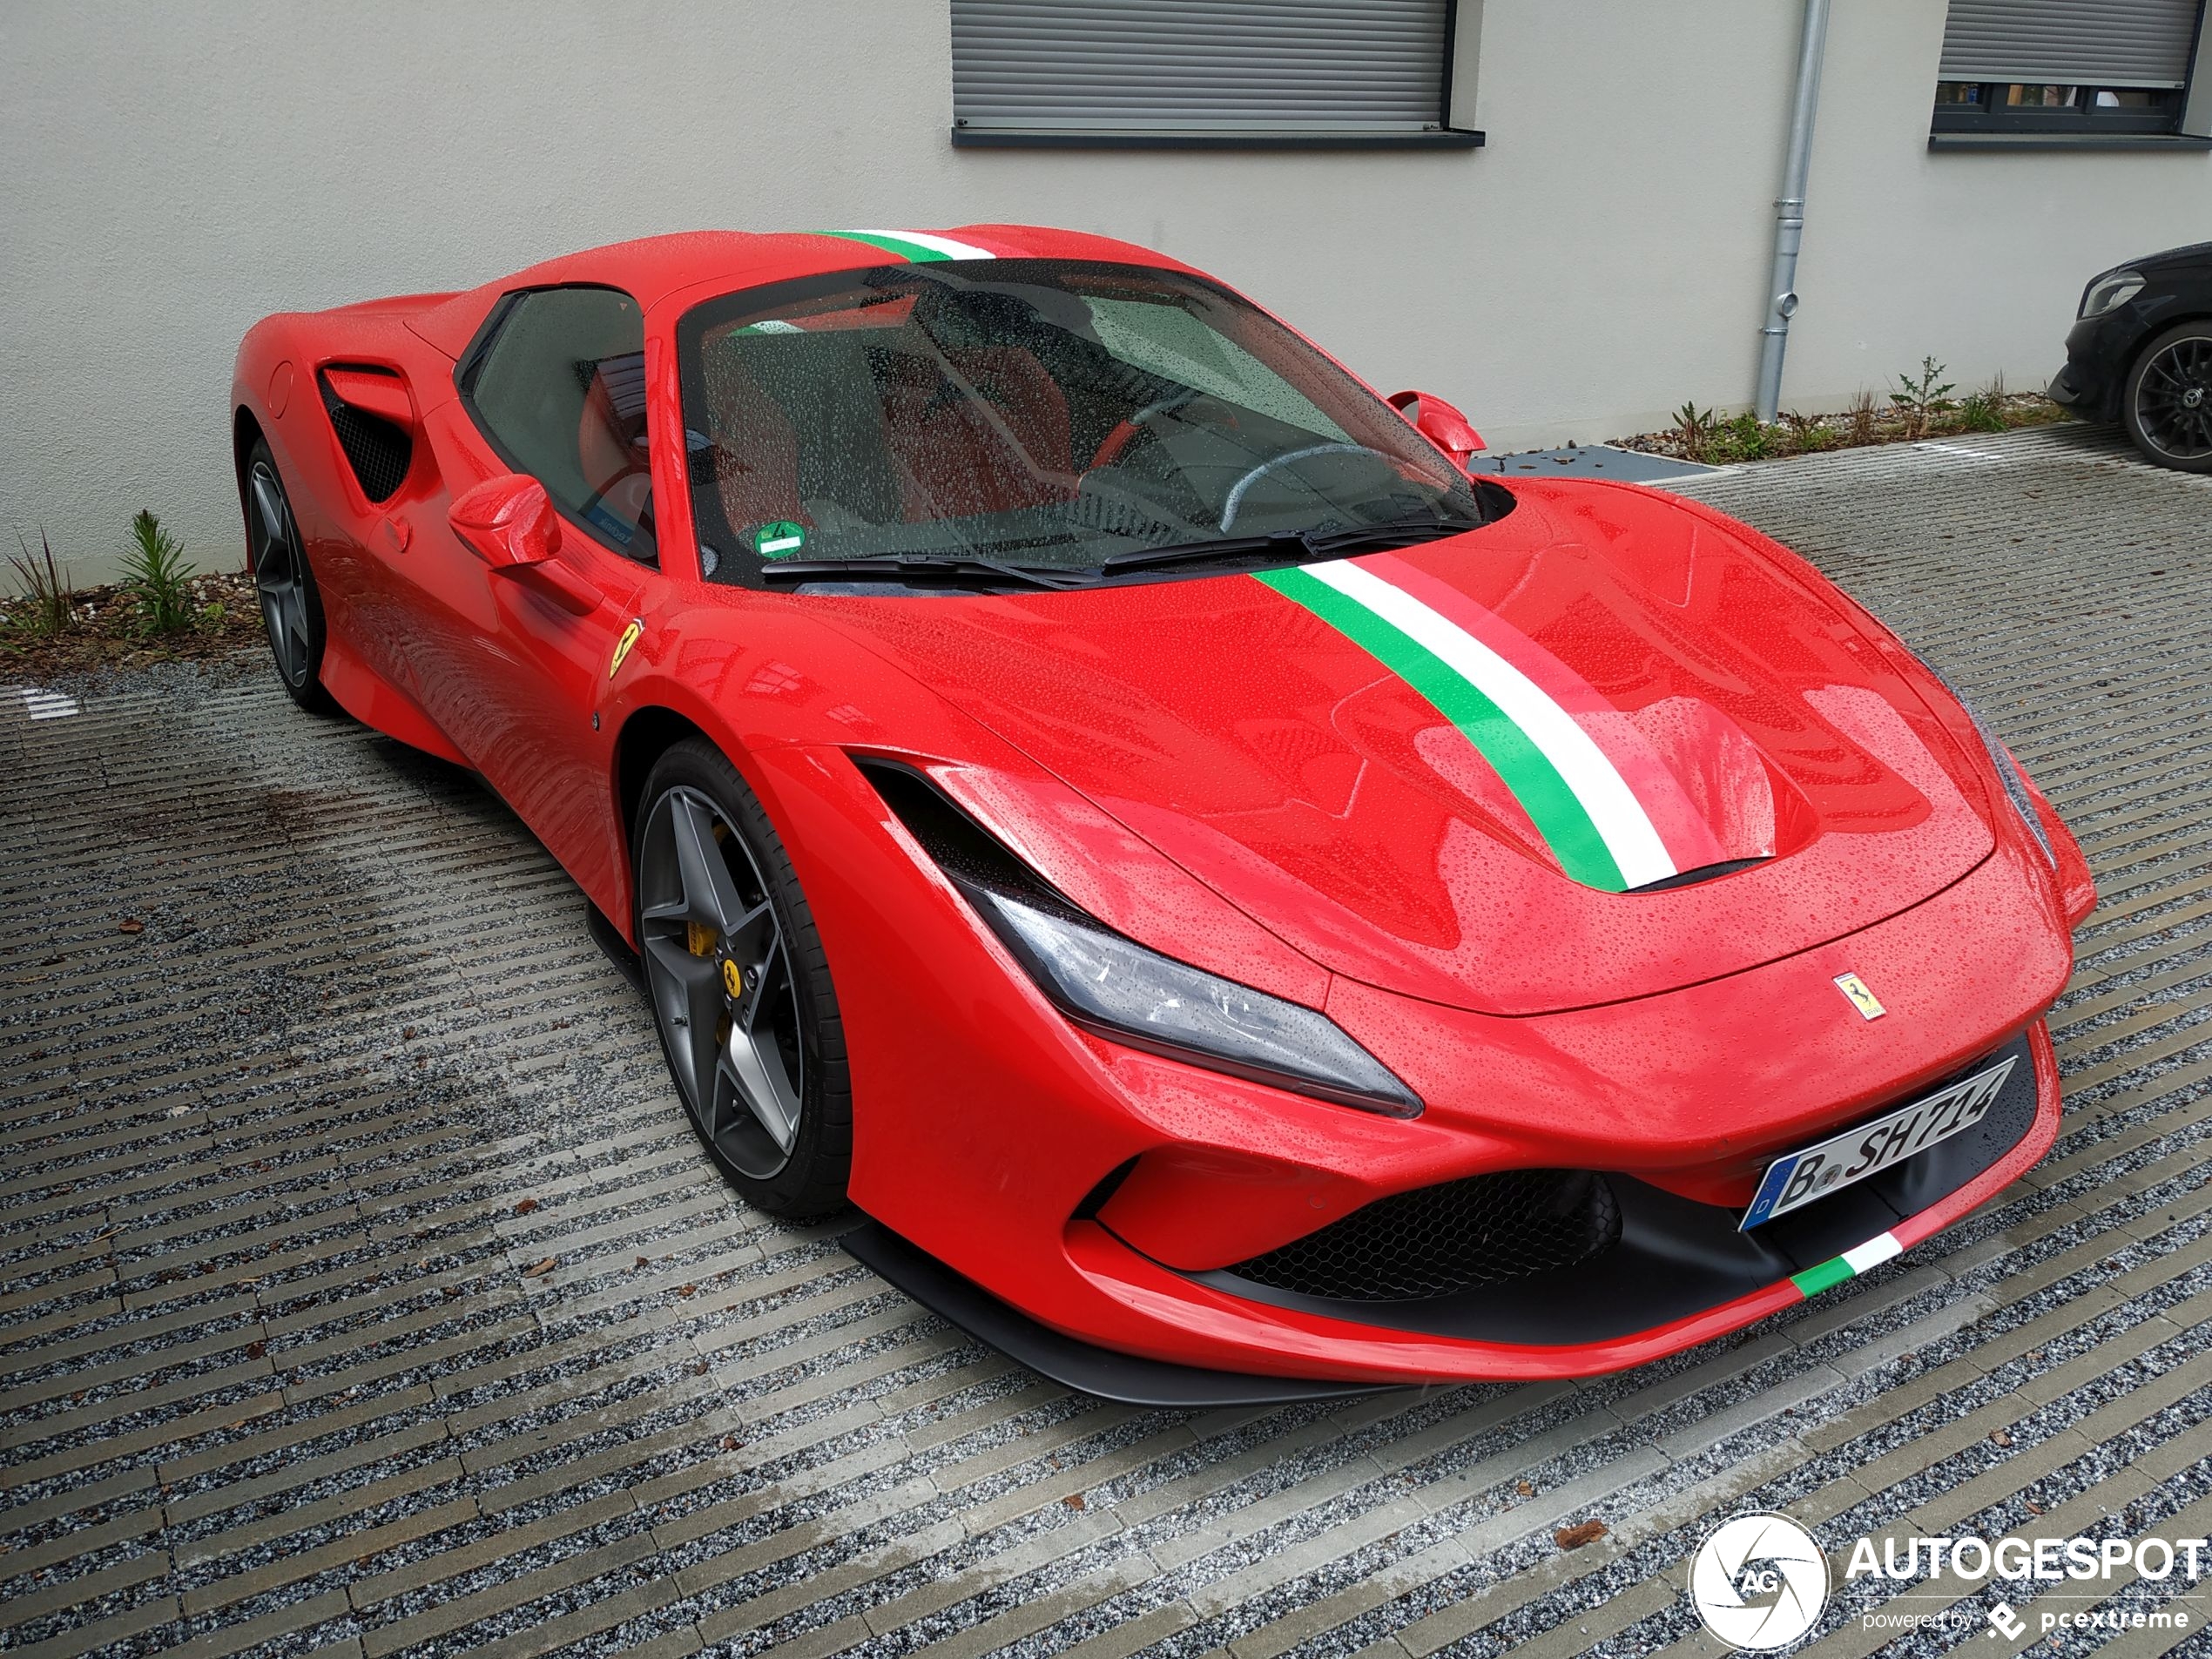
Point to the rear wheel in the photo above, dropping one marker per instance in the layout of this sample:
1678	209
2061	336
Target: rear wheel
2167	406
285	583
740	987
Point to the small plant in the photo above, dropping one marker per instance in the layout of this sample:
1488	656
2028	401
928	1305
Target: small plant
1741	438
1809	433
1922	400
155	577
53	605
1983	411
1861	414
1693	430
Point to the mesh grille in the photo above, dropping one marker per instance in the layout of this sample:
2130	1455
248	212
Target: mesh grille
1437	1240
378	451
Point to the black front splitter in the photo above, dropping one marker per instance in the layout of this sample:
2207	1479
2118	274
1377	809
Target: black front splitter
1120	1377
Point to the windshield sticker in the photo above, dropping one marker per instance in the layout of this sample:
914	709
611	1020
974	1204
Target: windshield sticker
779	540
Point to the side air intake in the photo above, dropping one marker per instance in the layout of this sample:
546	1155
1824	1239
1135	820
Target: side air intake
378	452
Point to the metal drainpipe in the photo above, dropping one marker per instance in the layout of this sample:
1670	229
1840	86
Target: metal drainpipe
1790	211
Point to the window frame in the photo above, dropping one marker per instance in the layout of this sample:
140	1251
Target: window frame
1991	114
2186	123
471	365
1438	134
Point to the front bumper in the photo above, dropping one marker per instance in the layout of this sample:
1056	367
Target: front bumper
1680	1274
2098	352
994	1132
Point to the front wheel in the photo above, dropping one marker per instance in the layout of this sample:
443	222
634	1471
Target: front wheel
740	987
2167	406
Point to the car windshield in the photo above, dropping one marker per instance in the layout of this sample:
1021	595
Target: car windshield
1040	414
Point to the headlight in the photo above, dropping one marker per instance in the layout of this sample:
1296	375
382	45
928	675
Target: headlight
2113	288
1137	996
2008	770
1115	986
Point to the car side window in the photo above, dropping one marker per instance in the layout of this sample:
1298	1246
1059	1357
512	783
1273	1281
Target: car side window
559	387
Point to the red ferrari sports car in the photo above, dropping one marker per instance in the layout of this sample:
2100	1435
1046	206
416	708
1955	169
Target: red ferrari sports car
1245	908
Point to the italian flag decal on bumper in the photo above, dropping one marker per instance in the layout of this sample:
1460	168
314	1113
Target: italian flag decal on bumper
1608	809
1850	1264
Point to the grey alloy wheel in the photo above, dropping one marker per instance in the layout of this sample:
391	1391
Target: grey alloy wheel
284	583
718	969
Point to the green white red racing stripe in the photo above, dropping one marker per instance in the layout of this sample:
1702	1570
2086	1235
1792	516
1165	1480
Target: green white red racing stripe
1611	811
1850	1264
916	248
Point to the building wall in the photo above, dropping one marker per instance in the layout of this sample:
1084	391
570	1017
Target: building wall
177	168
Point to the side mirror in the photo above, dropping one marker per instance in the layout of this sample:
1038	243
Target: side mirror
1440	424
507	521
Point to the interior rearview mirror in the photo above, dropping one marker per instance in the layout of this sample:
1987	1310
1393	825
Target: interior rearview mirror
1440	424
508	521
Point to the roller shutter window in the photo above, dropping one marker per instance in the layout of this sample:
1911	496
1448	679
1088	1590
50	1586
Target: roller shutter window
2066	65
1204	68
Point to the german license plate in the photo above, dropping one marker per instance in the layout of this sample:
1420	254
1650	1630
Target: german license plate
1852	1156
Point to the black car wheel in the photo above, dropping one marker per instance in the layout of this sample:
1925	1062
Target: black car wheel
2167	405
285	583
740	987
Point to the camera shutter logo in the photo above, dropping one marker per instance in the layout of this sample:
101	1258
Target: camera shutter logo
1759	1582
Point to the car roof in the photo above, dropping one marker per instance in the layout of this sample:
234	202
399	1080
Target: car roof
653	268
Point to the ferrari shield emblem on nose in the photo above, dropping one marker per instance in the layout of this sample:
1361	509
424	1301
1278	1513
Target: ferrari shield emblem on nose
1864	1001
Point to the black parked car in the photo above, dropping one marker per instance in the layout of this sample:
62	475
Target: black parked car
2141	354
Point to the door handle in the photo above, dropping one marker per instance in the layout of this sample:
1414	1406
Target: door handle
557	583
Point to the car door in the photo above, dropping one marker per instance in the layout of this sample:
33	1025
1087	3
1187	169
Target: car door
553	387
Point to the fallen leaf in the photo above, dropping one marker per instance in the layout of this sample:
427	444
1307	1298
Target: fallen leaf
1524	1488
1587	1532
642	1262
1997	1437
2033	1507
1074	1501
255	1350
729	1442
540	1271
686	1290
526	1206
131	925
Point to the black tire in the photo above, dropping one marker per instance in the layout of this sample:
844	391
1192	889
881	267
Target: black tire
780	1022
2167	403
284	582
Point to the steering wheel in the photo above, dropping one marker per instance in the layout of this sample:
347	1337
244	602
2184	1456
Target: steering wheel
1237	490
1118	440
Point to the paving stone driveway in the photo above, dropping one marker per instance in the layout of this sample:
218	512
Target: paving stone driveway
362	1289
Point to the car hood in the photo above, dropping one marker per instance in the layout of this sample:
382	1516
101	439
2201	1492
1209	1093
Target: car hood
1598	749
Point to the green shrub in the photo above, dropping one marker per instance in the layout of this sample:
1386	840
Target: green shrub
1985	411
1921	401
155	574
51	604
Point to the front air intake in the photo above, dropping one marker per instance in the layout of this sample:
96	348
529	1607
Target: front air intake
1437	1240
378	452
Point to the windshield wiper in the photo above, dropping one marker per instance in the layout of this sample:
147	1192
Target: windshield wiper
961	570
1319	544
